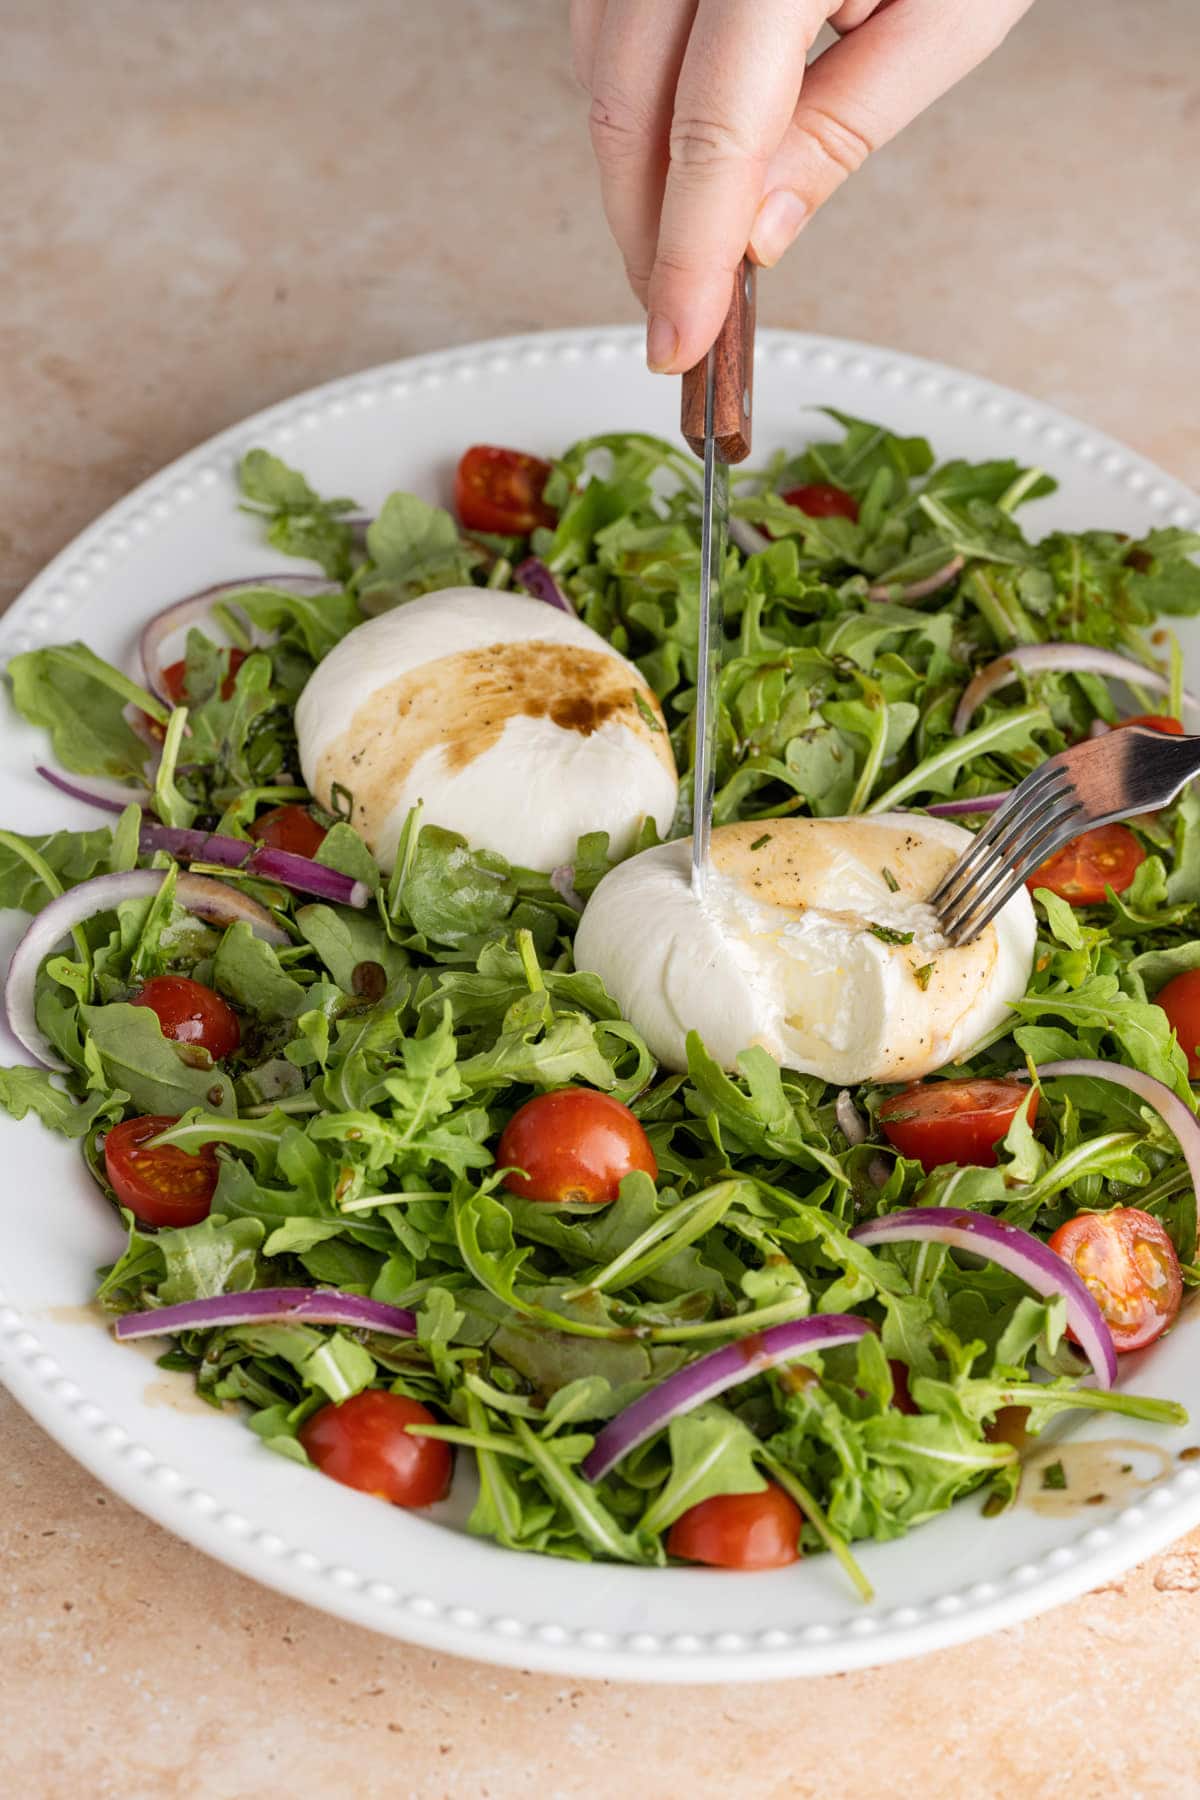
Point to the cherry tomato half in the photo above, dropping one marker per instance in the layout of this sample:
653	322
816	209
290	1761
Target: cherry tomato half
1153	722
821	500
174	675
191	1013
1083	870
501	490
289	828
365	1443
739	1531
939	1122
163	1186
575	1144
1128	1264
1180	1000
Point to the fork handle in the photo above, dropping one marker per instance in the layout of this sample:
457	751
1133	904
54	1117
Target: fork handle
733	377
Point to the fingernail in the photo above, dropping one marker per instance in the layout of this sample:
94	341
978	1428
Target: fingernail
662	341
776	223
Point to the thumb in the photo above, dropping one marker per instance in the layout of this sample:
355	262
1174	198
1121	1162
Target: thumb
860	93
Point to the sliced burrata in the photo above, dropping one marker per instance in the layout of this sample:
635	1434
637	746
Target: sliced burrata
814	940
514	723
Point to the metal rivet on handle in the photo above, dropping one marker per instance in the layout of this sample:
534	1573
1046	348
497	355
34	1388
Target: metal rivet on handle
746	402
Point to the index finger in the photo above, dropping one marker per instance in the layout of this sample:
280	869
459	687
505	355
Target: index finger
737	90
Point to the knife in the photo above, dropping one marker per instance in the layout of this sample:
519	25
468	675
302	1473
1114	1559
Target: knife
715	420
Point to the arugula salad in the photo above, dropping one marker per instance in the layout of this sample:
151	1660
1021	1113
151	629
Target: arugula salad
334	1102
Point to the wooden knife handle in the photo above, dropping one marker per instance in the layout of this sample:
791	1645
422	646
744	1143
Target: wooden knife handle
733	378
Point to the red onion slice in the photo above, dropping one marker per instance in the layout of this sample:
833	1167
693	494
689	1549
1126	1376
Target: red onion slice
851	1123
562	880
208	899
308	876
748	538
1018	1251
1173	1111
106	802
195	609
267	1306
955	809
711	1375
303	873
1073	659
537	579
918	590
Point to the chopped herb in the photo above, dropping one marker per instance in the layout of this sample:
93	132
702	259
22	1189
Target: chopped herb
341	802
760	841
924	975
650	718
887	934
1054	1476
893	884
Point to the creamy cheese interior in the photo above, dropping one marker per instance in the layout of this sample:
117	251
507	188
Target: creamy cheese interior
815	940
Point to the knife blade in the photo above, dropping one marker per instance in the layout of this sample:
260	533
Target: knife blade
716	421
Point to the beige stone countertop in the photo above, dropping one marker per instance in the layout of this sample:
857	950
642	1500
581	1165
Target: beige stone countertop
206	205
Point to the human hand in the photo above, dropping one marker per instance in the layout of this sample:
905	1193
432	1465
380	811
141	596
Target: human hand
712	137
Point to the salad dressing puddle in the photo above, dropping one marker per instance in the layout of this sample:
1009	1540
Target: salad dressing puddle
1096	1472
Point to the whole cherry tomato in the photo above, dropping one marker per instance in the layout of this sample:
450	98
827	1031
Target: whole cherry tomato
574	1144
938	1122
1180	1000
739	1531
163	1185
289	828
1153	722
191	1013
365	1443
1129	1266
1083	870
501	490
821	500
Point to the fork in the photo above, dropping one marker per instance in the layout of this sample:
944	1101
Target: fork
1116	776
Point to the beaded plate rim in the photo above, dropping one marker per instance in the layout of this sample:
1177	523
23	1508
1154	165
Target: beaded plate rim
113	1453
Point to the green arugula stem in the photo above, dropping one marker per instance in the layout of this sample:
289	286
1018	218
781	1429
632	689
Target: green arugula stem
110	677
491	1441
832	1540
671	1231
958	751
873	697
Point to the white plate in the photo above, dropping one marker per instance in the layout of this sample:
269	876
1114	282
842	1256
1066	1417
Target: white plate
205	1476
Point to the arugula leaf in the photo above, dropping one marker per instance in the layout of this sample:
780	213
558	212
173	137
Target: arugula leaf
414	547
80	700
135	1057
74	856
249	972
300	523
712	1452
24	1090
345	940
318	621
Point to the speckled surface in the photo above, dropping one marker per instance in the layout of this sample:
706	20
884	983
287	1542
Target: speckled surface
205	208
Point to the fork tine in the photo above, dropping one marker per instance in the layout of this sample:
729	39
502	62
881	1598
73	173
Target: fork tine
1004	840
1037	839
1026	850
1044	786
997	897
